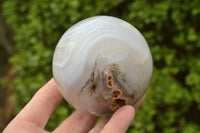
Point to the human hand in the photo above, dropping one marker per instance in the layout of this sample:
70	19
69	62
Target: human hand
34	116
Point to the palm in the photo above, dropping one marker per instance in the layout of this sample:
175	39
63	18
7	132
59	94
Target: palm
34	116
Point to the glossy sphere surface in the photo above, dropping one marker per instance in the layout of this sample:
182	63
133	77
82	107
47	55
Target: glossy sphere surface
101	64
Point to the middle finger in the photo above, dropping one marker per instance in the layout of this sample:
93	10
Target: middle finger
77	122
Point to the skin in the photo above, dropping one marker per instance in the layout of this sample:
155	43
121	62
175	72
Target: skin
34	116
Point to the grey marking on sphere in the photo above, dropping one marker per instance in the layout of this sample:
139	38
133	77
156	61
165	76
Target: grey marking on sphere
91	77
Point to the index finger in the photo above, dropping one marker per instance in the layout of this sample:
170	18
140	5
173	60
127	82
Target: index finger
42	105
120	120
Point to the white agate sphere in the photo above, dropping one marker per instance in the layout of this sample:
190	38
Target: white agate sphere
101	64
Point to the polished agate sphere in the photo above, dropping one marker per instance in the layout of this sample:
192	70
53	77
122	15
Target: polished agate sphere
102	63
